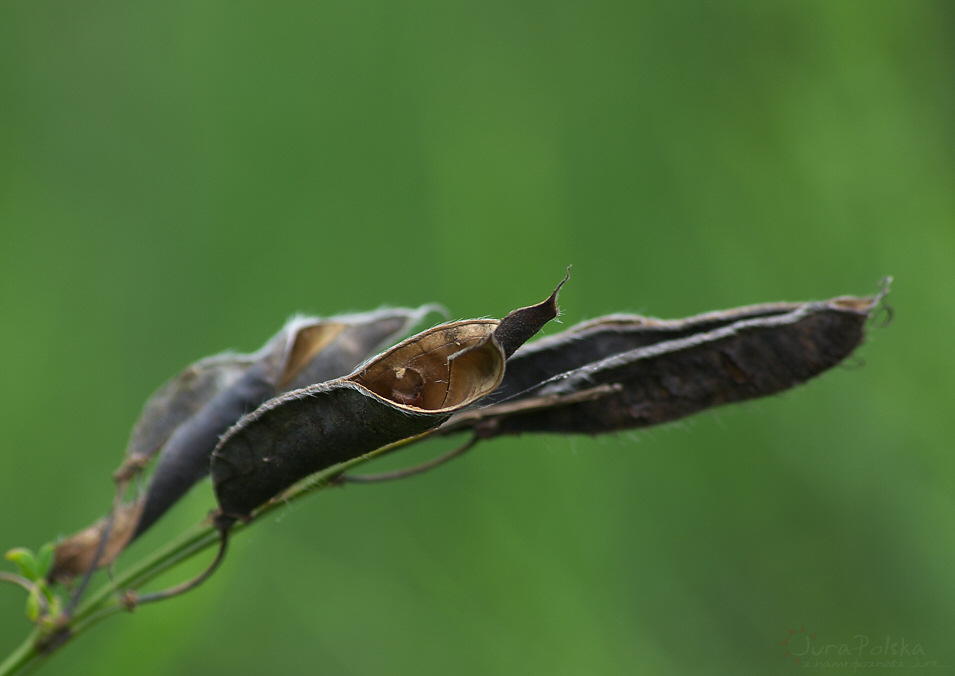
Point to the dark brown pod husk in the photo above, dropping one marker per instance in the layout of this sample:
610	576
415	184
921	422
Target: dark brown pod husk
591	341
621	373
306	351
408	390
183	421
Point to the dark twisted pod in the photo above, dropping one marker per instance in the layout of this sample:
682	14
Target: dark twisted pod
183	421
409	389
306	351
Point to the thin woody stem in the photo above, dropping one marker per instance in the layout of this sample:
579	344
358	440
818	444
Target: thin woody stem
411	471
100	550
188	584
119	596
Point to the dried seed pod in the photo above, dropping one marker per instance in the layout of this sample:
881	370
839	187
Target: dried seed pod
591	341
408	390
184	459
175	402
678	369
305	349
187	415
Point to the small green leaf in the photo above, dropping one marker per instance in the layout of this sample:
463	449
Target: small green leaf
25	561
44	559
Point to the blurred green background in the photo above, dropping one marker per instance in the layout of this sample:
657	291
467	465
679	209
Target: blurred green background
178	178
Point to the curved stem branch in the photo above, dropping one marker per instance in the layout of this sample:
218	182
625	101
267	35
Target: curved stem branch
114	597
411	471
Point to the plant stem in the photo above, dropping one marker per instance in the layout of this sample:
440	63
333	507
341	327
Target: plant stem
111	599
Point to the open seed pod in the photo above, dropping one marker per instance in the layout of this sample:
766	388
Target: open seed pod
304	350
409	389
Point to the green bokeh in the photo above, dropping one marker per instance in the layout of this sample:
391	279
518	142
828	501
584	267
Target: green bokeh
177	178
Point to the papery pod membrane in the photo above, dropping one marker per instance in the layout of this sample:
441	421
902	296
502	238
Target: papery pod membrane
186	417
408	390
683	367
76	554
355	338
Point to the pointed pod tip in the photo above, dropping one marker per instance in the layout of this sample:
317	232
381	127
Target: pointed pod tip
553	296
552	299
520	325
